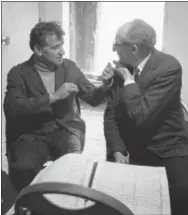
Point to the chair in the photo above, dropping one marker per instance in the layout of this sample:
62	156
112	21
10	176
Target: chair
32	199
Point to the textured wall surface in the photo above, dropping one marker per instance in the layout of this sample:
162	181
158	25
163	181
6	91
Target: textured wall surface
83	19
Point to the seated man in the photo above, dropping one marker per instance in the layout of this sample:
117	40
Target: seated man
144	121
41	104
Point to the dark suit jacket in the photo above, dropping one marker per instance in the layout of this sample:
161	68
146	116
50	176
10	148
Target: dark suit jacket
148	115
27	107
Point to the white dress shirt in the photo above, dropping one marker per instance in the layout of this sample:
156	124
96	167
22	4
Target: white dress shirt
140	67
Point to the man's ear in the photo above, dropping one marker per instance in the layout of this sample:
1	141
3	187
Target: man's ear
38	50
135	49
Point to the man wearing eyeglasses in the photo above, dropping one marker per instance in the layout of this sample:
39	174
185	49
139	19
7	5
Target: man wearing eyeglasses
143	121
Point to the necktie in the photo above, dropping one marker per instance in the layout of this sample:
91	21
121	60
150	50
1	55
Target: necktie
136	74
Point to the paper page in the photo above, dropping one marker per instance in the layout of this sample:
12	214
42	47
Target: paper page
70	168
83	202
143	189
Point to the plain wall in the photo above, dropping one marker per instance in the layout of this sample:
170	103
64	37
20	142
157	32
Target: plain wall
17	20
175	40
57	11
50	11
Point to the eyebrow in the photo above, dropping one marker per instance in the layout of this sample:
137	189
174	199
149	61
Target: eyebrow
59	44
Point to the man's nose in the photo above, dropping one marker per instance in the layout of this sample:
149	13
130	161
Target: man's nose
114	48
61	51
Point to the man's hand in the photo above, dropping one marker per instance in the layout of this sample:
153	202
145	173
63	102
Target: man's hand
123	71
63	92
107	74
120	158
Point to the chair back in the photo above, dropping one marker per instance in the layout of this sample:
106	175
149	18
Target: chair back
32	198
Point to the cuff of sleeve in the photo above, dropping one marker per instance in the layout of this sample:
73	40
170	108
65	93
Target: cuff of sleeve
127	82
44	104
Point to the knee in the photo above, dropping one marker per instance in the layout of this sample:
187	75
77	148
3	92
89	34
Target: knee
22	175
23	166
75	144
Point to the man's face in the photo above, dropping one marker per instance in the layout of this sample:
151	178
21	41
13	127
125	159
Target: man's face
125	51
53	50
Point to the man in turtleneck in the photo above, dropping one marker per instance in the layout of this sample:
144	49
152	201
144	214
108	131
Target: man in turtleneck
42	104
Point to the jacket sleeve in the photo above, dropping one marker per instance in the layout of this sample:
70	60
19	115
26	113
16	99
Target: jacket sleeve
89	93
111	131
144	109
16	101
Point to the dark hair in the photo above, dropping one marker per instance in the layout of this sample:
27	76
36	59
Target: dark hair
41	30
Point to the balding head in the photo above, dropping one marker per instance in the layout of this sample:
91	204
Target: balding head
137	32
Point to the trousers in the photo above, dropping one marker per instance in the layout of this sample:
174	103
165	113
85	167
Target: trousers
30	151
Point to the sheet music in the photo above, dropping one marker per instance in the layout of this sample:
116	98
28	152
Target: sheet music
143	189
70	168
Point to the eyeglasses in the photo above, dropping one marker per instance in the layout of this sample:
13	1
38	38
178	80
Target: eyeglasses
116	44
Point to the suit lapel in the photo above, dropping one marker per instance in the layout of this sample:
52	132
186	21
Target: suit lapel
33	79
69	72
150	66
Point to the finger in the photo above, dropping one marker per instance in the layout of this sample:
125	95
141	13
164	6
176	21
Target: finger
120	161
73	85
119	69
117	160
74	89
122	69
127	160
108	70
108	73
104	76
117	63
110	66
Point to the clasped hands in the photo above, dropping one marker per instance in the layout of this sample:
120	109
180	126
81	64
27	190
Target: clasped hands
70	88
119	69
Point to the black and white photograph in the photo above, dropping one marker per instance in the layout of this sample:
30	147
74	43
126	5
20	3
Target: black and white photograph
94	108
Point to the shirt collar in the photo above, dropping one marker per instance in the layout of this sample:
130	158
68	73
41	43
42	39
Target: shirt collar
143	63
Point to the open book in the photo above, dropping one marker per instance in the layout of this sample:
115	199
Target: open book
143	189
